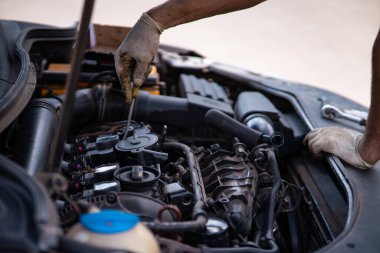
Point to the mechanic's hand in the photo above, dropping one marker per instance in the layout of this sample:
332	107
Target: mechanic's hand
136	53
338	141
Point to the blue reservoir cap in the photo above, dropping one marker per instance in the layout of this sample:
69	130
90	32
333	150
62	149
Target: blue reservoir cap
109	221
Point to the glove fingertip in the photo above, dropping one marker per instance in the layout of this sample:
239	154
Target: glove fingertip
318	156
315	148
138	82
128	96
304	141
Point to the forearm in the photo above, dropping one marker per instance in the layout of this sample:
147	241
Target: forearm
370	146
176	12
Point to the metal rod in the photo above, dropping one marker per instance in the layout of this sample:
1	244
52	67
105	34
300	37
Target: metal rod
70	88
129	119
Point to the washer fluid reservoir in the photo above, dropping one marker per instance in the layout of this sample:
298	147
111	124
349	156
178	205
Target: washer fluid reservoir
114	230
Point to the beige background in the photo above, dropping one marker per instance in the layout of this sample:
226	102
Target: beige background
326	43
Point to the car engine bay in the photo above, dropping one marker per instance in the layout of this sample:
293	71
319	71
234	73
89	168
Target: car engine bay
210	162
205	189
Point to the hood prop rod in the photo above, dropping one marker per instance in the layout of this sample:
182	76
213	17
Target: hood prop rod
70	88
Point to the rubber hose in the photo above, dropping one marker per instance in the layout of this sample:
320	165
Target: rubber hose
233	127
275	188
35	137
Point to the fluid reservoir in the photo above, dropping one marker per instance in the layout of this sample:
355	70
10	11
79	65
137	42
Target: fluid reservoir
114	230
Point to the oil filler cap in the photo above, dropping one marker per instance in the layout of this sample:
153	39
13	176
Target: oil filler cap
109	221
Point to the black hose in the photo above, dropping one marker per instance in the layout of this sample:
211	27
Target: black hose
233	127
155	109
199	215
35	136
67	245
38	124
148	107
275	188
39	121
196	225
162	109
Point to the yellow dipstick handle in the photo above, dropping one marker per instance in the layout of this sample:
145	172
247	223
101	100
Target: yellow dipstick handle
135	92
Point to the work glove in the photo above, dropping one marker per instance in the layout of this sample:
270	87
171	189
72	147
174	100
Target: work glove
136	53
342	142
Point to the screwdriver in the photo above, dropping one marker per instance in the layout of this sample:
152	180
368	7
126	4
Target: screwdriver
135	91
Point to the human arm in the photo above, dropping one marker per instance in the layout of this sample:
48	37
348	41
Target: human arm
176	12
369	146
137	51
359	150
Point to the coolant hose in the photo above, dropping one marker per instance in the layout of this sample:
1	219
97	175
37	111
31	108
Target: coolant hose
275	188
233	127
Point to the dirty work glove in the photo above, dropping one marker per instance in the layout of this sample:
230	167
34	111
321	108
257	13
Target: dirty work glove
338	141
136	53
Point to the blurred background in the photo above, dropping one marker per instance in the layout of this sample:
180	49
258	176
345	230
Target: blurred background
324	43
